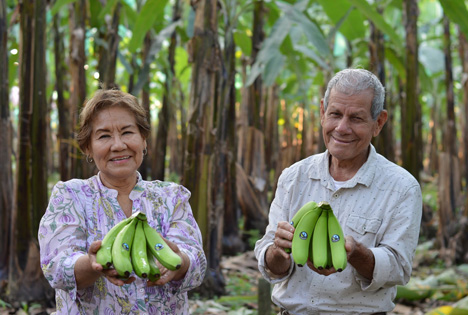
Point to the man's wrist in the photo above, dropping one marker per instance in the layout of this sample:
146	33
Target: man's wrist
275	272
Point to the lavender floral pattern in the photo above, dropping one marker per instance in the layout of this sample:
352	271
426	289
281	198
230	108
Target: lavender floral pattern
83	211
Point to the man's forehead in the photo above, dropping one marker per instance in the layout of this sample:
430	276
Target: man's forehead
349	91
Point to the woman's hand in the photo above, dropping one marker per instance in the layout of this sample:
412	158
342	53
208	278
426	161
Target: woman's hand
111	274
172	275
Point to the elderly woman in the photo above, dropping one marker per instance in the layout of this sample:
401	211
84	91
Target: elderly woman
113	133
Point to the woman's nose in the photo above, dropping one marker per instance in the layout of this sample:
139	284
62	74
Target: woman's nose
118	144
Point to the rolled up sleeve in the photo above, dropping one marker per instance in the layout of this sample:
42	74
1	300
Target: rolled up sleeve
394	255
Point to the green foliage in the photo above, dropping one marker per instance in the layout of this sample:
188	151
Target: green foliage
372	14
457	11
353	25
4	304
151	12
59	4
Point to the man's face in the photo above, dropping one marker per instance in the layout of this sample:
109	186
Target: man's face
348	127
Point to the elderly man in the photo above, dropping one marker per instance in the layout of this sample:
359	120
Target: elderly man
377	203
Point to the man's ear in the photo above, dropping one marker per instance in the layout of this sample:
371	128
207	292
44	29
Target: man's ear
322	111
381	120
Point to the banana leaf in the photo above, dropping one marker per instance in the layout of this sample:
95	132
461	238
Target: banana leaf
414	293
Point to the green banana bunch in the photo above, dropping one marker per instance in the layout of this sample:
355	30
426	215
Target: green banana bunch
337	243
159	248
133	245
139	254
121	250
299	214
104	254
154	273
303	235
320	242
318	236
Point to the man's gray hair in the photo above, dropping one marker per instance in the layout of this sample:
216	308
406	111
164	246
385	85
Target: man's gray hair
354	81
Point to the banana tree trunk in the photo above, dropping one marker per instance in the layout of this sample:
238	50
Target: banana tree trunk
225	202
251	137
6	176
464	60
77	63
449	144
64	135
145	167
26	281
204	53
384	143
108	52
166	112
411	138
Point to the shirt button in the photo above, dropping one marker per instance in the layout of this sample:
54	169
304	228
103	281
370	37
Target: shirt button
335	195
142	290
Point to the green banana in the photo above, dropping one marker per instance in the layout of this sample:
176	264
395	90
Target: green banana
303	235
154	273
139	254
298	215
104	253
319	241
159	248
122	249
301	212
329	253
337	243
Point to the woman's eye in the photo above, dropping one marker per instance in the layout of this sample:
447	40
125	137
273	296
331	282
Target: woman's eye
103	136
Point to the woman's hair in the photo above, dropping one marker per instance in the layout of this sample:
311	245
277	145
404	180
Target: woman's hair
104	99
355	81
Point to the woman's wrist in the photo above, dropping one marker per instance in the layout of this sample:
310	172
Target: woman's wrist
182	271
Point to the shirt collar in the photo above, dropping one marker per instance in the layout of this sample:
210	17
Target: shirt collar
364	175
135	193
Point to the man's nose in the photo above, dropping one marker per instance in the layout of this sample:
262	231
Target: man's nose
343	125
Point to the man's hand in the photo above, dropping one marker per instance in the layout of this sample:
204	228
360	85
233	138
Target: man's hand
360	257
323	272
277	260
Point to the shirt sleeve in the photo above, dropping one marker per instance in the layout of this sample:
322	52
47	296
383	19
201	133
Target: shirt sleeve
184	231
277	214
394	255
62	239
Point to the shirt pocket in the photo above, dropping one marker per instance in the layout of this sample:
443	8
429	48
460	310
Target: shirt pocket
363	225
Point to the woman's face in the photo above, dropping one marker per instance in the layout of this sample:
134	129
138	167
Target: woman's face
116	144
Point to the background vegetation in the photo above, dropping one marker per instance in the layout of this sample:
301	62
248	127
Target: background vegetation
232	89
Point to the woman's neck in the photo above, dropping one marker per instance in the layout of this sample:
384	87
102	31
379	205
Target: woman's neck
123	186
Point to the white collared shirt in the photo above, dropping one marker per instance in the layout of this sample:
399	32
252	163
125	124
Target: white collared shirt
381	207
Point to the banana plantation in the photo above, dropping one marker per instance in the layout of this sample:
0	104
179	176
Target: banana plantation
233	91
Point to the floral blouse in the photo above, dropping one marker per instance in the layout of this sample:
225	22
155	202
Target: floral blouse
83	211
